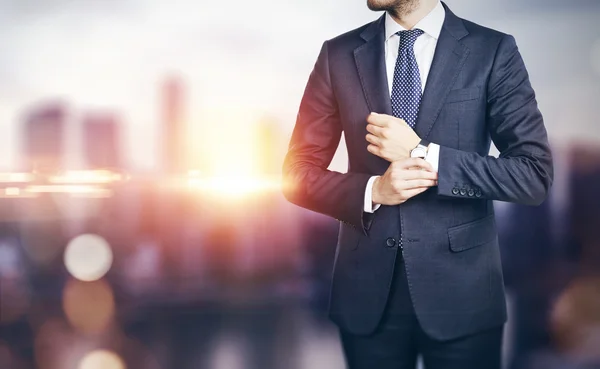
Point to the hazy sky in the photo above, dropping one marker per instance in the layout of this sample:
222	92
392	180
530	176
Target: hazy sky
244	59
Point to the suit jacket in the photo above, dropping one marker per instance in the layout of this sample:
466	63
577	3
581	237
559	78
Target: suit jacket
478	90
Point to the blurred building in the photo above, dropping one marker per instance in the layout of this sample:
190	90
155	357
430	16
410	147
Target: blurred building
173	126
584	204
102	140
44	135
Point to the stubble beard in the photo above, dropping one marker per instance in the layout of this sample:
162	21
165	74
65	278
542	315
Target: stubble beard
396	8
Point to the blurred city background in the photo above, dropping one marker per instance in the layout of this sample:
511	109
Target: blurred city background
141	219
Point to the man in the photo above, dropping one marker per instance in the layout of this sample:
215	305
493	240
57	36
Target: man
419	94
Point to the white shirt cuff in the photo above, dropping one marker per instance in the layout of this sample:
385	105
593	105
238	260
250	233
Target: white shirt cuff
433	156
369	207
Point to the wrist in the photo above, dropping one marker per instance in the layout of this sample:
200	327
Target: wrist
415	142
420	150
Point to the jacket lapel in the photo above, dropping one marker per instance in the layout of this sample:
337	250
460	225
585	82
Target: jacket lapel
370	61
447	63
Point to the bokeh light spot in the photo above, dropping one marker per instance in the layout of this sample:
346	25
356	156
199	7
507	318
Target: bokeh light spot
101	359
88	257
89	306
575	319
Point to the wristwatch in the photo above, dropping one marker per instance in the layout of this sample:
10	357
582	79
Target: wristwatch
420	151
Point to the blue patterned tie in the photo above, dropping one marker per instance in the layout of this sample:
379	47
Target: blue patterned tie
406	91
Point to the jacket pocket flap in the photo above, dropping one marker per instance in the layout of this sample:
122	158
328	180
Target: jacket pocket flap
469	235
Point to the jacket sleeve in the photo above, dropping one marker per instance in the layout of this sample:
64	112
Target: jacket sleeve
307	181
523	172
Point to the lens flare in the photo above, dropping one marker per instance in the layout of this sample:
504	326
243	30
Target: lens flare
233	187
89	306
575	319
88	257
101	359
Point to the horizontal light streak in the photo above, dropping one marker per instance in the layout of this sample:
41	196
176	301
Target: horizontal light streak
97	184
87	177
234	186
16	177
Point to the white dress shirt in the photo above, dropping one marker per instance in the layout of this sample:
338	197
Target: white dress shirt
424	51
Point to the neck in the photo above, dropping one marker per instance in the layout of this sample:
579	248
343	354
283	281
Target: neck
408	18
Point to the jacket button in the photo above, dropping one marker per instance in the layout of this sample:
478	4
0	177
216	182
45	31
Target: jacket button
455	191
463	192
390	242
471	193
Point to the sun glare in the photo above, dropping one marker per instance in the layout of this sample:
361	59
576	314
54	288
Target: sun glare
226	147
233	186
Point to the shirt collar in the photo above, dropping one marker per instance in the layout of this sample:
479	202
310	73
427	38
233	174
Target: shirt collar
431	24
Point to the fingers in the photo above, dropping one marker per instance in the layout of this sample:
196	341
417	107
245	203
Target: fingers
400	186
374	149
413	162
419	183
417	174
375	130
373	140
383	120
380	120
409	194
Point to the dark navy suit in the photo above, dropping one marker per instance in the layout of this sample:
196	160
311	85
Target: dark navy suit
444	241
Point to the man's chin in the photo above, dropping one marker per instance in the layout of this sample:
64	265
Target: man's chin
376	5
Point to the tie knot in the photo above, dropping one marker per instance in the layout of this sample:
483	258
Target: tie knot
408	38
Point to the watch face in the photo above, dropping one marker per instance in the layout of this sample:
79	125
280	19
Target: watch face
419	152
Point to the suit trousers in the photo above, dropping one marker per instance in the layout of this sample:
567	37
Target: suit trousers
399	340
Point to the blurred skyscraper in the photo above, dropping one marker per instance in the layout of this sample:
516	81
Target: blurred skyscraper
174	126
44	137
102	140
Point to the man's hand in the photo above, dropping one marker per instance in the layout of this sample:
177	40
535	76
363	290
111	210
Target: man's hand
390	138
403	180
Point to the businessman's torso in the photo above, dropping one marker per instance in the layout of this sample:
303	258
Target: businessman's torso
449	245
